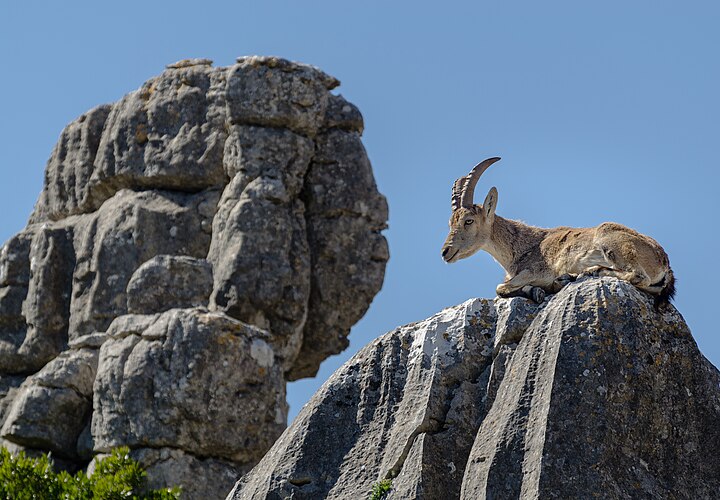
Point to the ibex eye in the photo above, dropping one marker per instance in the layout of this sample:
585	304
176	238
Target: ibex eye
468	222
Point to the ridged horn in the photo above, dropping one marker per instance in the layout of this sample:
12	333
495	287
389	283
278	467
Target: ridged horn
470	181
457	193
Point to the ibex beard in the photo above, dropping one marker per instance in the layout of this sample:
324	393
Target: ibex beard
538	261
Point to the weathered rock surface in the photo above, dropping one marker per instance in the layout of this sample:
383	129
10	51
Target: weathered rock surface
36	331
169	282
127	231
197	244
53	405
591	394
174	466
190	379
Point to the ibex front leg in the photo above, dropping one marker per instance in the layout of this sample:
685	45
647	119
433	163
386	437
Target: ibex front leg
518	286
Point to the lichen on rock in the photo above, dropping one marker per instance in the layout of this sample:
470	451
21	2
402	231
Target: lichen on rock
592	392
186	244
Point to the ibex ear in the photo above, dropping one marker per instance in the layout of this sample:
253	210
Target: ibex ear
490	203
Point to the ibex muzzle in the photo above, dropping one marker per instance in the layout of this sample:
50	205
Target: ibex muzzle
470	224
539	261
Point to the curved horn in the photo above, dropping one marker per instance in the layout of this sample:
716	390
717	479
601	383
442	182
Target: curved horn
457	193
471	179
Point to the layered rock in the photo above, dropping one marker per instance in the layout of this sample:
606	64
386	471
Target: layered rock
53	406
168	380
592	393
197	244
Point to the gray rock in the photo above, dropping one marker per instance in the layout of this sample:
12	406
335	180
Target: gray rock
85	444
190	379
47	306
602	394
73	369
170	466
52	407
345	217
205	478
259	249
38	332
93	340
12	320
14	282
70	168
513	318
127	231
297	225
15	260
245	190
8	391
340	180
168	282
364	423
274	92
45	418
343	114
186	63
167	135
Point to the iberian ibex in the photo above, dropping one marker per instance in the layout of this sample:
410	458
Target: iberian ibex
539	261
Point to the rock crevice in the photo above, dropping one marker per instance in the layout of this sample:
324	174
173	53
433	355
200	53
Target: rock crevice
591	392
196	244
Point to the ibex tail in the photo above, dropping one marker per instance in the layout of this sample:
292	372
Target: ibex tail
668	291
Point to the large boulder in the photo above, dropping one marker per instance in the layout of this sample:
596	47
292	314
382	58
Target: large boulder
591	392
169	282
190	379
260	252
127	231
53	406
213	219
274	92
169	135
35	330
68	172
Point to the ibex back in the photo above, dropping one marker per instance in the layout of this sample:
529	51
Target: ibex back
539	261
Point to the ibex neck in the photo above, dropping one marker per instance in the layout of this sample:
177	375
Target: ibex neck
510	240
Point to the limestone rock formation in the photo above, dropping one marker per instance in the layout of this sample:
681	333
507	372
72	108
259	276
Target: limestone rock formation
197	244
592	394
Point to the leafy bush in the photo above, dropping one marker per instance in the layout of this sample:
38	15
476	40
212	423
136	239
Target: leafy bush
381	489
115	477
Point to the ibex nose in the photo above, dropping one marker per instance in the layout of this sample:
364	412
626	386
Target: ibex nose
445	251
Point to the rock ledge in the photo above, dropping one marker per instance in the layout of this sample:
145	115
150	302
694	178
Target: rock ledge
591	391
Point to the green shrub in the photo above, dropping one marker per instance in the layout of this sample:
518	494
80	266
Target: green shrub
115	477
381	489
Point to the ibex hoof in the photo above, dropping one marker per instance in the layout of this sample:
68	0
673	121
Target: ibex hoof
589	273
564	280
537	294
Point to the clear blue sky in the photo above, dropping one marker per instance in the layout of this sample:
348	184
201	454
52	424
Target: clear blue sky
607	111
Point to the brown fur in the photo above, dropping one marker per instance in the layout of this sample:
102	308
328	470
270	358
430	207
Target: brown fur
549	258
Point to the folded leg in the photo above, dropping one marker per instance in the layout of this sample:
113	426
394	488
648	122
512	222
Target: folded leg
518	286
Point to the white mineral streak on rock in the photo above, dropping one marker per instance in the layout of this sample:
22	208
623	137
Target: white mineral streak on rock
421	404
262	353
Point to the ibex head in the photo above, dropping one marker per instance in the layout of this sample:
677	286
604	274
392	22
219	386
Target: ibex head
470	224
